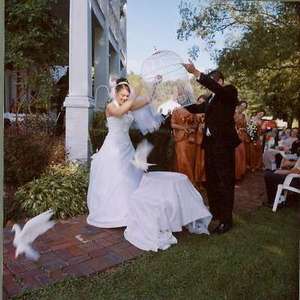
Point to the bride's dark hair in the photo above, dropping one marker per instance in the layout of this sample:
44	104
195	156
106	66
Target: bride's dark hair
122	83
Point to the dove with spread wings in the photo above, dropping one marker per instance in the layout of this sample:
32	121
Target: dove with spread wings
141	154
31	230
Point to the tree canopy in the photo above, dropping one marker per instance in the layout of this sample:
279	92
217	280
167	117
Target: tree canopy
35	40
261	54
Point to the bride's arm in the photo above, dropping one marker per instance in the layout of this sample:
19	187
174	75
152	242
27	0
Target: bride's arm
113	110
138	100
137	104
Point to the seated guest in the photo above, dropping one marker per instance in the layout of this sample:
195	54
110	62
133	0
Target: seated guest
272	157
273	178
271	139
285	133
286	144
293	152
296	146
268	141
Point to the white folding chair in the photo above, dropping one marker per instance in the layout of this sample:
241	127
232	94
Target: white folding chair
283	189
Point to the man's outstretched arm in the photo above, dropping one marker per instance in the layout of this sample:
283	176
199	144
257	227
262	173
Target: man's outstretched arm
203	79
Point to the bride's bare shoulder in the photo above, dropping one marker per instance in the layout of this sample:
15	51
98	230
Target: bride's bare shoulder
108	110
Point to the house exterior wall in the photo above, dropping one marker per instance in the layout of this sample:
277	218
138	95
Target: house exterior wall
97	50
109	29
97	47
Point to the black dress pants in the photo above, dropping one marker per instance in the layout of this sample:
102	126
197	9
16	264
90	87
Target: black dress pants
220	179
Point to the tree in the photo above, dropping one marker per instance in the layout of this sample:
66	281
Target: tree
261	54
35	41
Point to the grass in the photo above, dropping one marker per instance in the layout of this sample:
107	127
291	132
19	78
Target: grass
258	259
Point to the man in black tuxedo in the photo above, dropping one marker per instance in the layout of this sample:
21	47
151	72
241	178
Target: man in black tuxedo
219	143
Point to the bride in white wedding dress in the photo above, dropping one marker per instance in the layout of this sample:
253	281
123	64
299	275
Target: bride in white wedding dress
151	205
113	177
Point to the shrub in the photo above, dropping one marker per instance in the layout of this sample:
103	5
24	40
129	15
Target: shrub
98	130
58	151
32	123
40	123
26	156
99	120
11	209
62	187
97	137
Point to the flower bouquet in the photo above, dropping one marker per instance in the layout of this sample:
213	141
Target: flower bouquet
252	130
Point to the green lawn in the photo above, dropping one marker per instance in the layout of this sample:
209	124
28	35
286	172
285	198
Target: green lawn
258	259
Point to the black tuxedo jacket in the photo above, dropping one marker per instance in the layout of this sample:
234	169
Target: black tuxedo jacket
219	113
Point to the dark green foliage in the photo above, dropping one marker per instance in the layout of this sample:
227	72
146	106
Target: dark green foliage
26	156
34	42
62	188
262	49
34	36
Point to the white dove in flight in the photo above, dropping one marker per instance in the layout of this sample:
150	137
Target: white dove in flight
31	230
141	153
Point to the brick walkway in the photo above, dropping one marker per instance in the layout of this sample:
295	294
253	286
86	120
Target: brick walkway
73	248
250	193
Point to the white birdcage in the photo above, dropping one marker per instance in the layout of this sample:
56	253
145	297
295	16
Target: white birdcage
167	81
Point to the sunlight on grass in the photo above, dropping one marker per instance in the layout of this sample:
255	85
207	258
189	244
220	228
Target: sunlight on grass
239	220
257	260
275	250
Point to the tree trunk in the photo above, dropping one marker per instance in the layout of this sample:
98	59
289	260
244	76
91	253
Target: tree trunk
290	122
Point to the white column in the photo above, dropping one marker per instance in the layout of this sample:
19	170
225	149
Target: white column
79	103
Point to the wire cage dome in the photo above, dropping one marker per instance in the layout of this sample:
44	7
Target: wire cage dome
166	80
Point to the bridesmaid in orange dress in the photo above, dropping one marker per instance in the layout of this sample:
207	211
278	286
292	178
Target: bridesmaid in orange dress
199	160
255	146
184	131
240	150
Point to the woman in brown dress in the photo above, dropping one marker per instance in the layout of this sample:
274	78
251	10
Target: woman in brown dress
184	131
240	150
199	160
255	145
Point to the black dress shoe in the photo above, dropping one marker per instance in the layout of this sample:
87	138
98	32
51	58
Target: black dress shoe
222	228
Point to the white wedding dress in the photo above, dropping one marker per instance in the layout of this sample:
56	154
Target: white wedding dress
113	178
151	205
